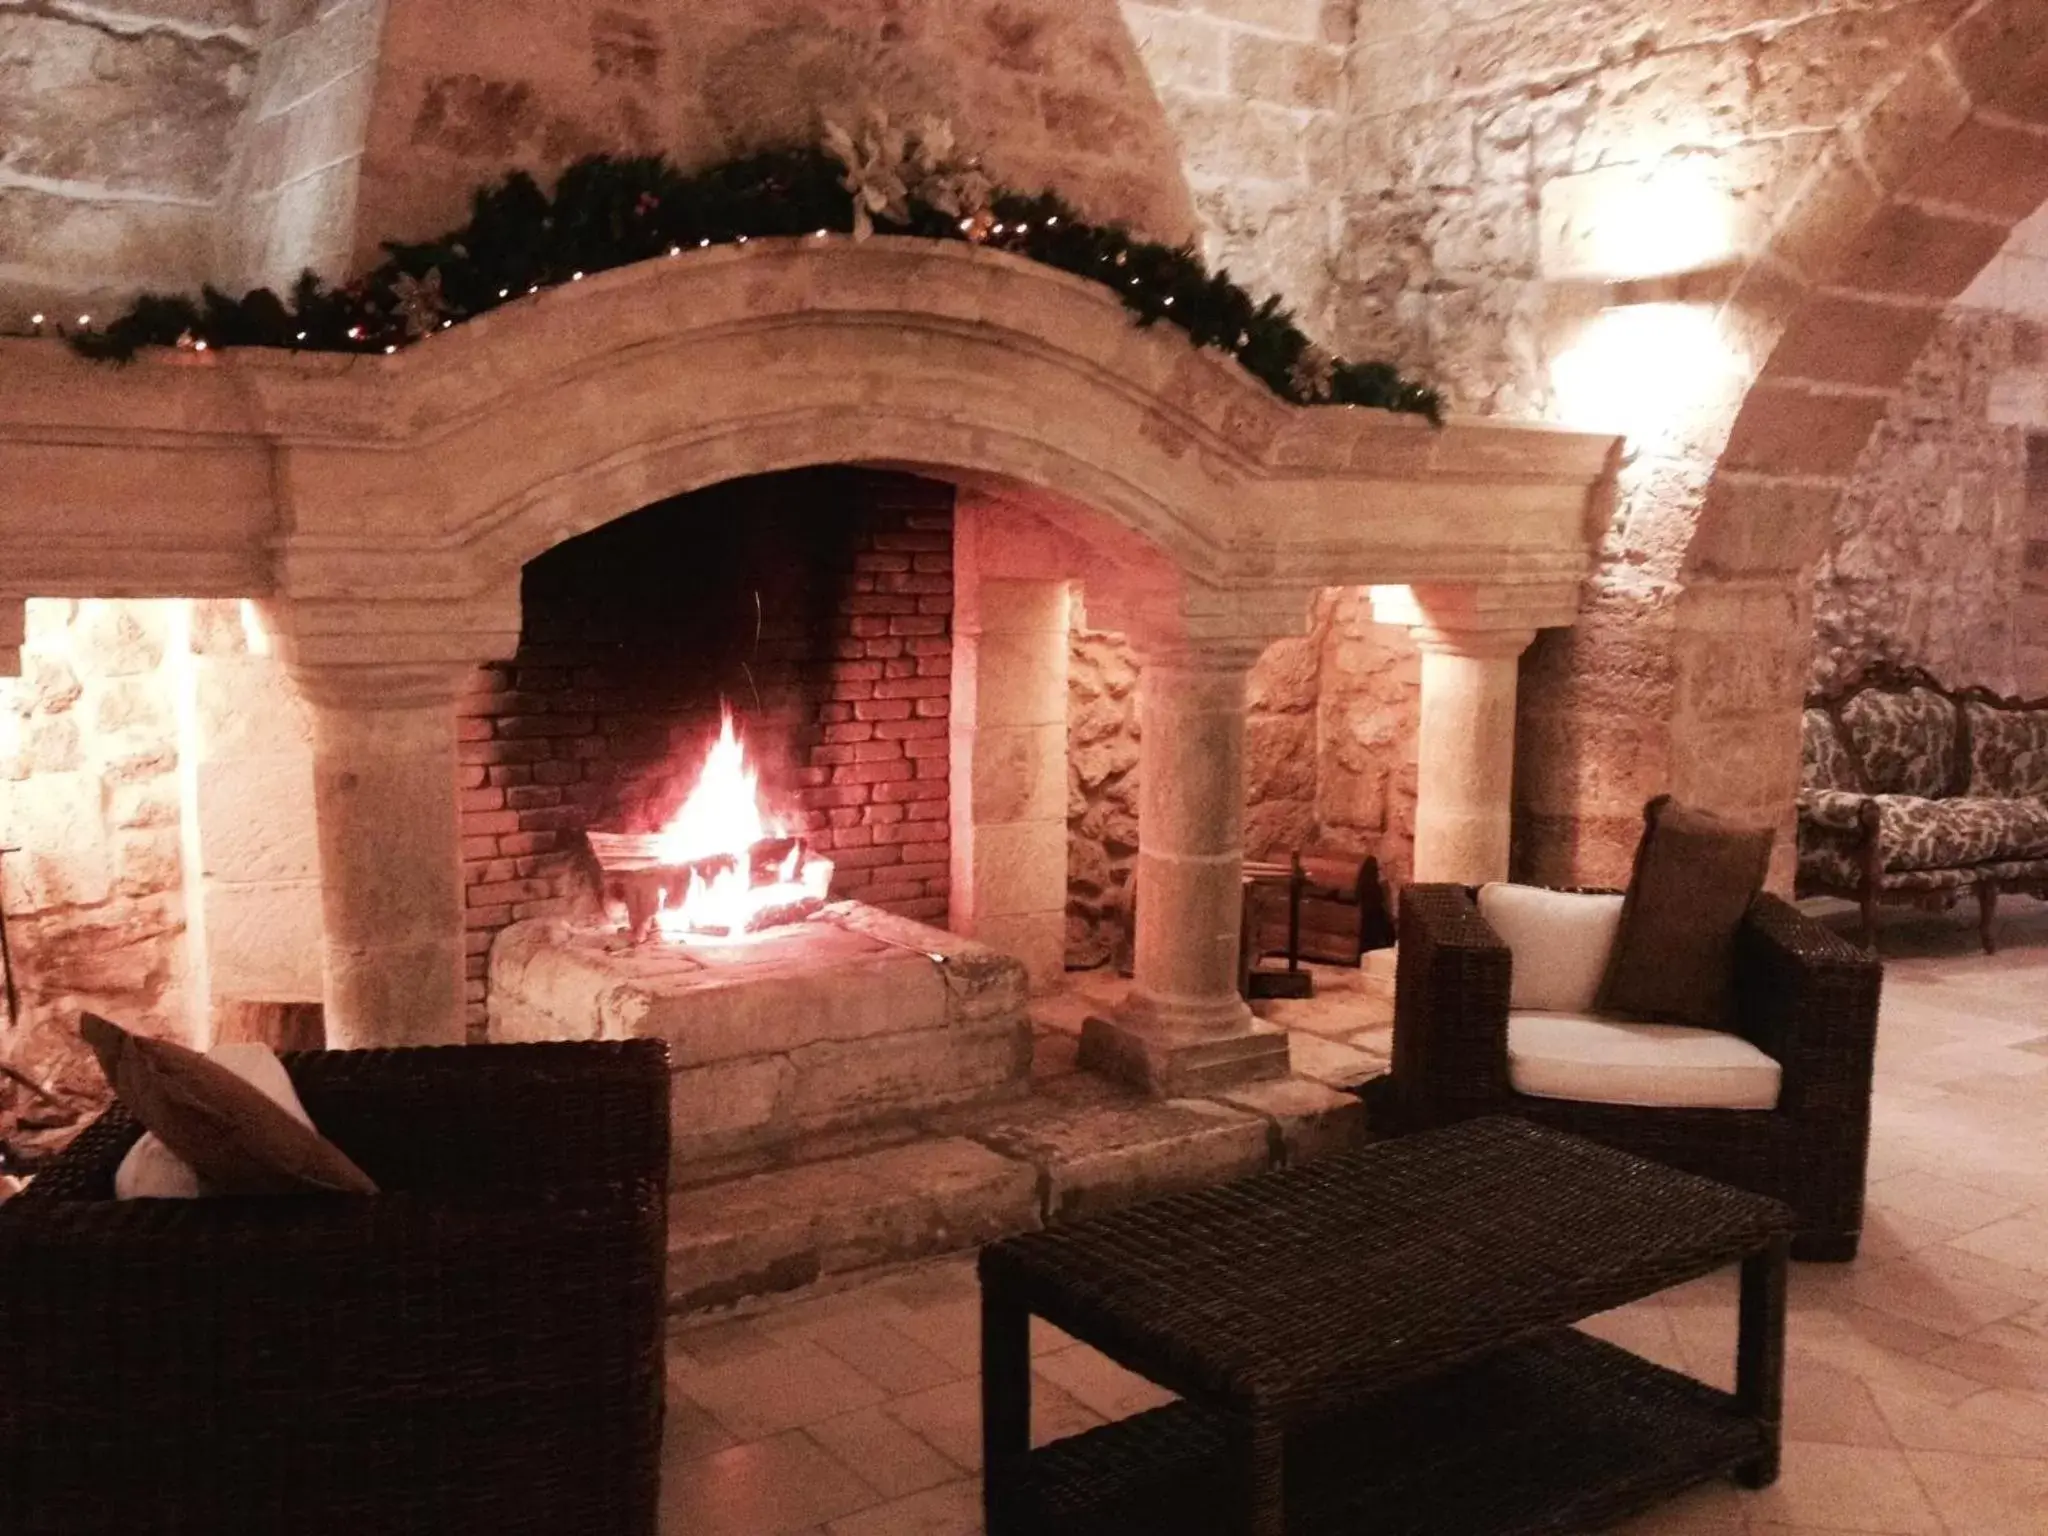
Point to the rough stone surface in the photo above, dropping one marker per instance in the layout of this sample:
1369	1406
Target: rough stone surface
1097	1149
842	1021
780	1230
1102	794
95	898
1928	558
1329	759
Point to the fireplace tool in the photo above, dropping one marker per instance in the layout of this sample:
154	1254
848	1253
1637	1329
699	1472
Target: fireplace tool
7	955
1256	980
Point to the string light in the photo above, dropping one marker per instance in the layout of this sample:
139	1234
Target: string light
391	349
575	277
200	345
504	293
85	320
302	335
355	333
675	250
37	319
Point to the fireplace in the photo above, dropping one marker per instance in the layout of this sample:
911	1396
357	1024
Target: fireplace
379	513
813	609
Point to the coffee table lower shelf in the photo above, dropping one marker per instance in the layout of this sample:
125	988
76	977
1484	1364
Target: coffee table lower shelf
1558	1434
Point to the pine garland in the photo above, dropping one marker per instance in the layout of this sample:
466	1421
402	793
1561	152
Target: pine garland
609	212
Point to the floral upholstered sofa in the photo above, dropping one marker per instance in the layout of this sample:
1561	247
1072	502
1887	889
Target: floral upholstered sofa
1915	792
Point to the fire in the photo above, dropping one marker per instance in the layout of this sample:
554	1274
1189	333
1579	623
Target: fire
722	827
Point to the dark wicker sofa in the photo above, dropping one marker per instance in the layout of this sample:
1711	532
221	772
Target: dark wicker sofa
477	1348
1913	792
1802	994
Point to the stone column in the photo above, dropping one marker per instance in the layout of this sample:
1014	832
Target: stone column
1471	642
1009	754
1466	753
390	860
13	633
1184	1028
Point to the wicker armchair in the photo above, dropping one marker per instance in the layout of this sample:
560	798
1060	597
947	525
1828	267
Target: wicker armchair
1803	995
478	1348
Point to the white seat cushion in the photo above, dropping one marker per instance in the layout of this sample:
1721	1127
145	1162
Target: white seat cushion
152	1171
1560	941
1594	1060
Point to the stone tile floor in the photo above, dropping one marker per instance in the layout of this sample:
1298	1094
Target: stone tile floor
1917	1390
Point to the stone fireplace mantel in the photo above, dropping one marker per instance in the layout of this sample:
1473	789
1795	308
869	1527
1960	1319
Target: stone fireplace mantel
381	510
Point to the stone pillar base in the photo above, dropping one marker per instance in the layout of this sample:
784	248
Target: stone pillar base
1183	1061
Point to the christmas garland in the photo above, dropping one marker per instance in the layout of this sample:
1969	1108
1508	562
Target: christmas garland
611	212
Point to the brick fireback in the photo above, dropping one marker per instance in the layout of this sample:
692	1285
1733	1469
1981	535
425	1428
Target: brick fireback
818	602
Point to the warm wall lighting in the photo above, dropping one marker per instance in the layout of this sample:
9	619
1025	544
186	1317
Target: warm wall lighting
1648	371
1626	223
254	634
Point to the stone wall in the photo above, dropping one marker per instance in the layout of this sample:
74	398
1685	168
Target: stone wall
1367	715
1256	94
1052	89
89	792
1929	549
1503	146
1329	758
115	129
298	151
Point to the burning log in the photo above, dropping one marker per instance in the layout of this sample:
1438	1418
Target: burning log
782	882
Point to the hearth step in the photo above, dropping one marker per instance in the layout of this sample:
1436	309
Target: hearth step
852	1019
832	1207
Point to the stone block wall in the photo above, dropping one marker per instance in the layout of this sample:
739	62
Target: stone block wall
1368	710
1501	148
89	793
818	603
1256	94
115	129
1052	91
1928	561
298	149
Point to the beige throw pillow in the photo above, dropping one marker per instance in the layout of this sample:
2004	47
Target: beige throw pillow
1561	942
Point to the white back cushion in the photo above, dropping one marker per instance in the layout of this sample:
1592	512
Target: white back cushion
152	1171
1560	939
1595	1060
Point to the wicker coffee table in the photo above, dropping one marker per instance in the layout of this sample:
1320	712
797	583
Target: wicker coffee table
1379	1343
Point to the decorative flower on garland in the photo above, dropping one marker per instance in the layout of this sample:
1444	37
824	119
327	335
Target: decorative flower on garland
1314	374
419	303
607	213
887	166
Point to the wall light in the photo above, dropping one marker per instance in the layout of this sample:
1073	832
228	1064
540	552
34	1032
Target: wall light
1648	371
1623	223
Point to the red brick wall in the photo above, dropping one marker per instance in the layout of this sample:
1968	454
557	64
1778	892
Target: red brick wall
820	603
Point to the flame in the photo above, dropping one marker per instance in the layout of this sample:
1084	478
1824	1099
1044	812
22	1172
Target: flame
724	817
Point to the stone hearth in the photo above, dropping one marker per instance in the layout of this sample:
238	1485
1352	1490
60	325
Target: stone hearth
853	1018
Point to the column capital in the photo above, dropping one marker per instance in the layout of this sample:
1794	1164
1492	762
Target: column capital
1477	619
373	686
459	632
1206	653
